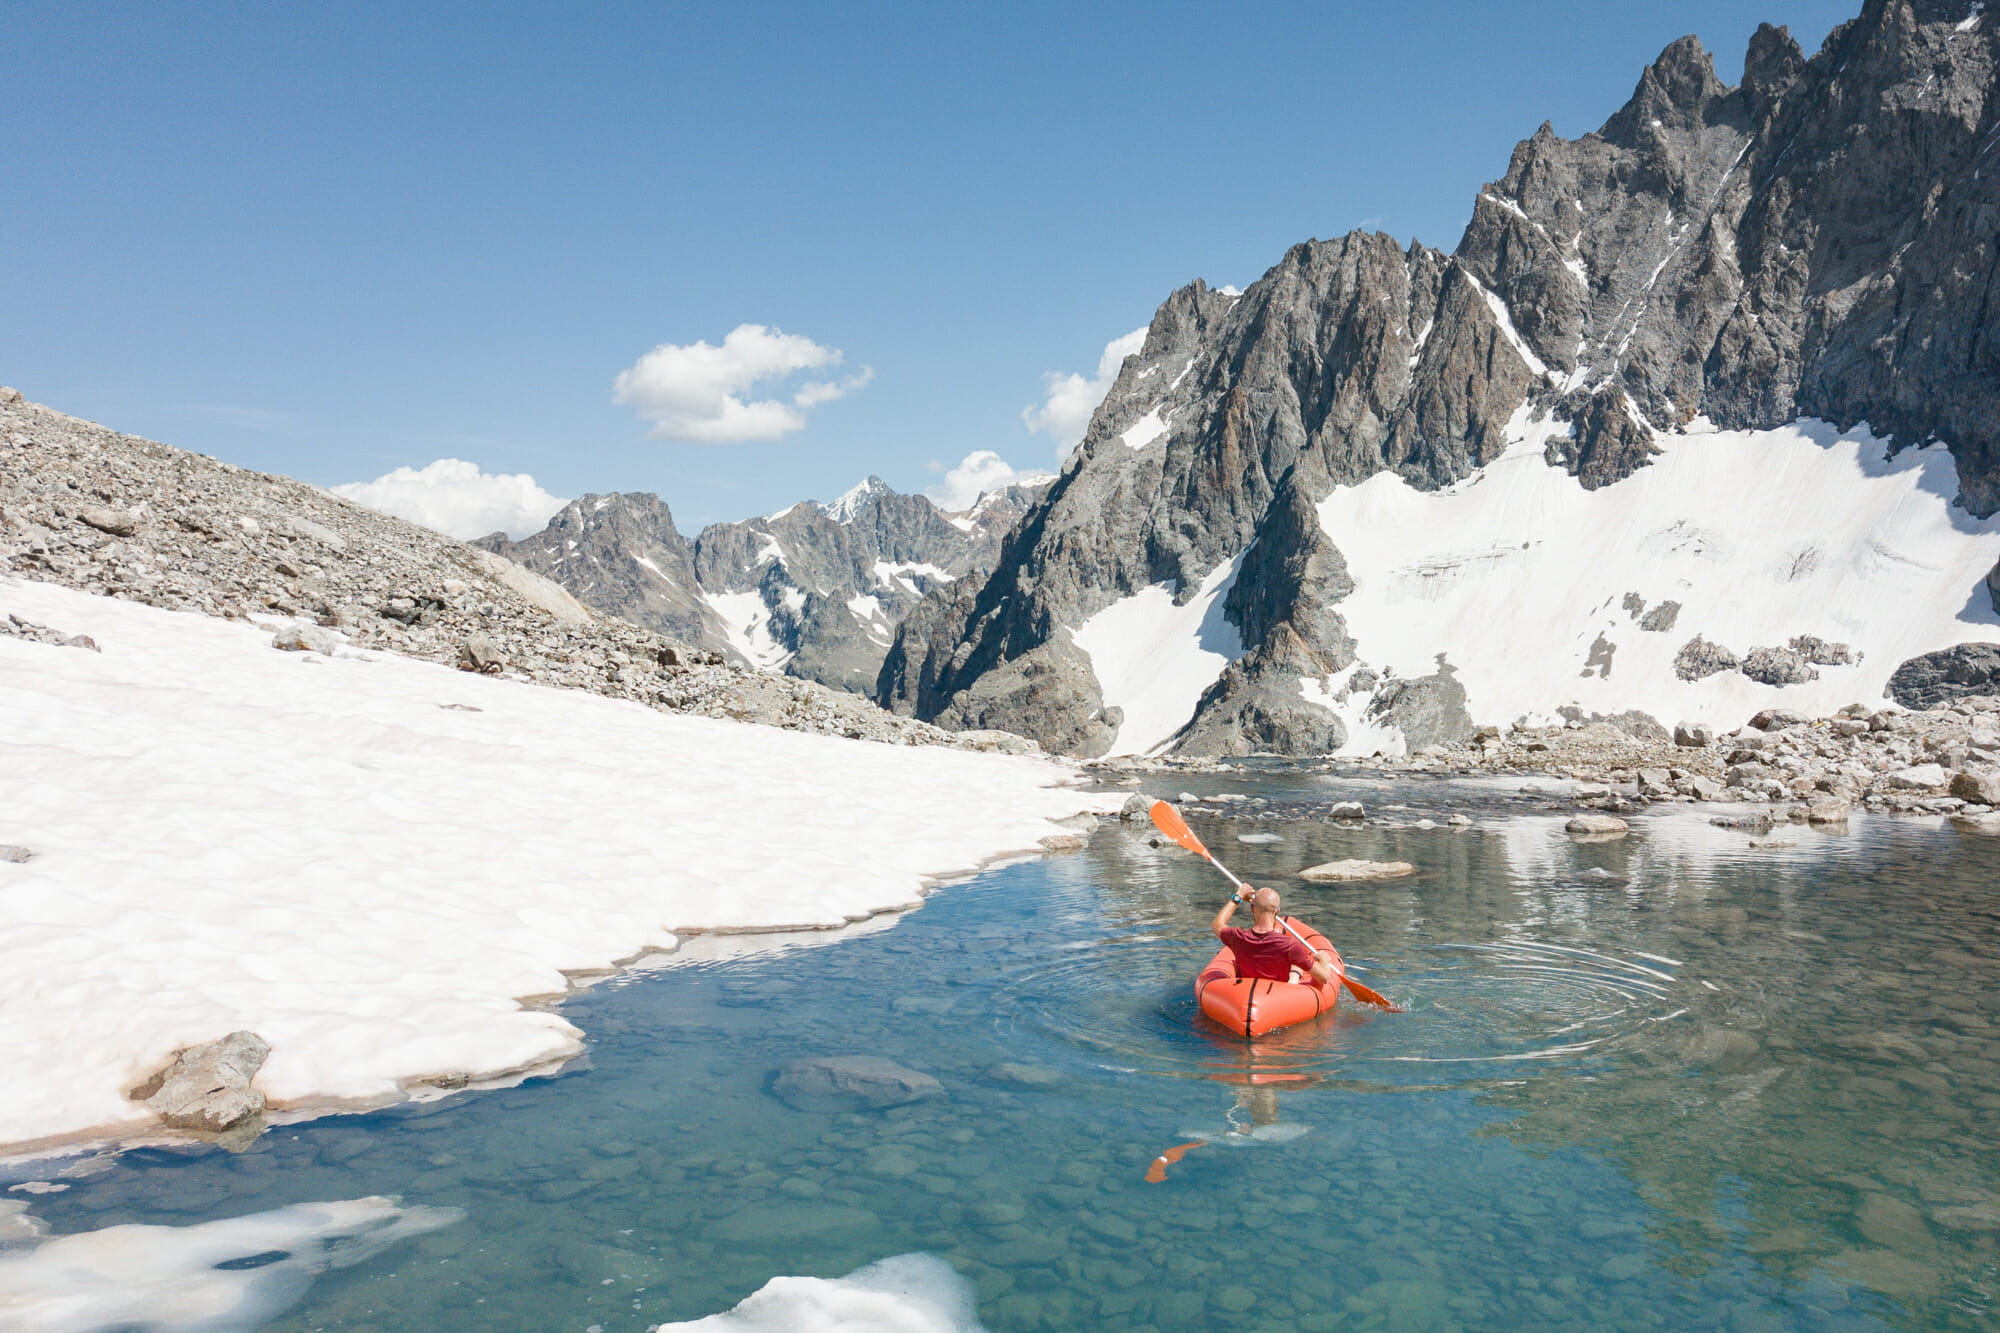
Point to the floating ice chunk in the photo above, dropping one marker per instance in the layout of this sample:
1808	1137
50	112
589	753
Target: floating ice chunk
174	1279
911	1293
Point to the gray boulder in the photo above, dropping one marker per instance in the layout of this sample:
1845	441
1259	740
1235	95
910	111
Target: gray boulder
1594	826
1138	808
207	1088
1977	786
1694	735
851	1082
17	855
1962	672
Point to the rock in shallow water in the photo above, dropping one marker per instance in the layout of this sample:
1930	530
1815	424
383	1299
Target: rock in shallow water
1597	826
207	1088
845	1082
1338	872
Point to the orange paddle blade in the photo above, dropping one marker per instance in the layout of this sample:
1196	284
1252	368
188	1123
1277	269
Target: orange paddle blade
1168	820
1367	996
1157	1172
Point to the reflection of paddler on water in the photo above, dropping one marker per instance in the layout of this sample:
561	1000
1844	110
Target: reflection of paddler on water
1275	974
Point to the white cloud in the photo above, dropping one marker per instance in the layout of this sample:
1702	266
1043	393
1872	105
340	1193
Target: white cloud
979	472
454	497
1068	400
701	393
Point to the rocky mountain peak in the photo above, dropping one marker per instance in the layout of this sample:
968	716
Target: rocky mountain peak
1819	242
852	500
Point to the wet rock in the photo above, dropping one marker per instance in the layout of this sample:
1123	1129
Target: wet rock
1597	826
774	1223
1258	839
851	1082
207	1088
1138	808
18	855
1061	843
1705	789
1340	872
1026	1076
1972	1217
1893	1224
1832	810
1346	810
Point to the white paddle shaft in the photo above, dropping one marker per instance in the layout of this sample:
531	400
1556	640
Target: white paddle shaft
1241	885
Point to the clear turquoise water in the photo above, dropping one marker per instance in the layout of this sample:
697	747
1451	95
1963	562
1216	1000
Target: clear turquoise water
1669	1082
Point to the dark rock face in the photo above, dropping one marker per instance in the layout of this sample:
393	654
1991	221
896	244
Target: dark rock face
1429	710
1820	241
621	555
1951	673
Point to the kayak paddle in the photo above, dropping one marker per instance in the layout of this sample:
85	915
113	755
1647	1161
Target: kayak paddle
1168	820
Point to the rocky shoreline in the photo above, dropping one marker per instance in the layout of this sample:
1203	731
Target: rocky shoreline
119	516
1944	760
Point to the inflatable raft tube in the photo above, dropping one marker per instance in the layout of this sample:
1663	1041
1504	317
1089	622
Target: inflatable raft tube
1251	1008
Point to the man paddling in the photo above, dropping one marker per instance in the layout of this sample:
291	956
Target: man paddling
1267	951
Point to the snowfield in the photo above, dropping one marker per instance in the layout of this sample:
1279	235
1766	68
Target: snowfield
1153	659
368	859
1520	577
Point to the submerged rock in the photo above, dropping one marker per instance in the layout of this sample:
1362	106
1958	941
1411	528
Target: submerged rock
207	1088
850	1082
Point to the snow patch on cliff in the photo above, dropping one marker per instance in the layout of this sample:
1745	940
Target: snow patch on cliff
1153	658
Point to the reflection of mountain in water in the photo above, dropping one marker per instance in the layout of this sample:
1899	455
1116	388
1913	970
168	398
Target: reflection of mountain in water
1825	1101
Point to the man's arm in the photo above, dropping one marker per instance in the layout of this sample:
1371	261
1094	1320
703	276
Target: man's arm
1322	968
1222	917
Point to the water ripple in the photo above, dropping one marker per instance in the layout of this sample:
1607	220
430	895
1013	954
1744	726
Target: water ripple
1476	1012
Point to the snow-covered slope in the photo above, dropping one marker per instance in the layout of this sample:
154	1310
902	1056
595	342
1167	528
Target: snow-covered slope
367	859
1153	659
1541	593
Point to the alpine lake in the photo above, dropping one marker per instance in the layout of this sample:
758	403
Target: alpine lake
1672	1081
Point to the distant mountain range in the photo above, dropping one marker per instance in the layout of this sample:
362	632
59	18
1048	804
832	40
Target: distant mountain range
1648	438
815	591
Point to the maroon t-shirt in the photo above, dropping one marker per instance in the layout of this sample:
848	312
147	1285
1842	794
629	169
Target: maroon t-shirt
1268	955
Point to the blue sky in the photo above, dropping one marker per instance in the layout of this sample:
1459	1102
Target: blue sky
337	240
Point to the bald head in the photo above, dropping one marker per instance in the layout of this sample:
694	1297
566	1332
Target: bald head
1265	902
